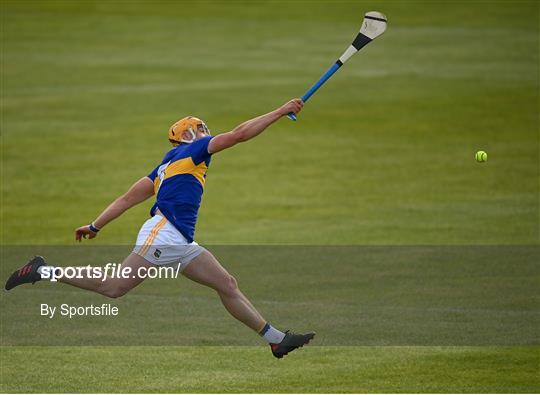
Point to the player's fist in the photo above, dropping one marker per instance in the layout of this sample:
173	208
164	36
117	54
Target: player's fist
84	232
294	105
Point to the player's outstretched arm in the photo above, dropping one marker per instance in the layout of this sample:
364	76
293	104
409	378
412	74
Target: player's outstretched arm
253	127
139	192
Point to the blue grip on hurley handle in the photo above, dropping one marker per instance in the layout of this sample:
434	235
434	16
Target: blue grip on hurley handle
317	85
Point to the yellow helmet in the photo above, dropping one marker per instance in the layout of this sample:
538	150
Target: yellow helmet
187	124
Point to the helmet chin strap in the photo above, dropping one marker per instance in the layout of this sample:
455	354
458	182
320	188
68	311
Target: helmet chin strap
193	136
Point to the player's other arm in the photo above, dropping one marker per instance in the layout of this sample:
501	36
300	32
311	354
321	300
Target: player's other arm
139	192
253	127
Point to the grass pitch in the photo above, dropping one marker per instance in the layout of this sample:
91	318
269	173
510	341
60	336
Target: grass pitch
248	369
382	155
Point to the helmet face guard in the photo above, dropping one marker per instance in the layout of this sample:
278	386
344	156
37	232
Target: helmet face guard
192	125
193	136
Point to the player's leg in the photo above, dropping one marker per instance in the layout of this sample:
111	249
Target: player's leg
111	287
206	270
116	287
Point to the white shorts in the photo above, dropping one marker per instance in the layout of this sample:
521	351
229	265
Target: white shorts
160	243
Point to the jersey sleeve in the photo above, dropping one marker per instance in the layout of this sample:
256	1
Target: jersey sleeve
200	150
152	176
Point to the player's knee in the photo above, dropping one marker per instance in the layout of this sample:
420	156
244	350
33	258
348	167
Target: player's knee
230	287
115	291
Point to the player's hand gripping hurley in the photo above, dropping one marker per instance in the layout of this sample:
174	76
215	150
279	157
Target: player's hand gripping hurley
373	26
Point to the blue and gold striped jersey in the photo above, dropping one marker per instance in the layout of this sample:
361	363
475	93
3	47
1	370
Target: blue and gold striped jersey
179	184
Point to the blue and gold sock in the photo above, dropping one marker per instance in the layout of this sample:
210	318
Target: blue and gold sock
271	334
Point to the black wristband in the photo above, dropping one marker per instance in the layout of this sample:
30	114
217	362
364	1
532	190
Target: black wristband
93	228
